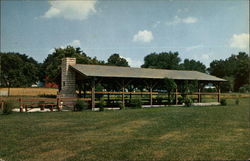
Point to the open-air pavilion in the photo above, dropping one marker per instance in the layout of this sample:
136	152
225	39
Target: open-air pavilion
125	81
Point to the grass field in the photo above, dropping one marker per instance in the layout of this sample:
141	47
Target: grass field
170	133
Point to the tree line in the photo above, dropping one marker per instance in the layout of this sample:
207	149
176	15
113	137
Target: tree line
20	70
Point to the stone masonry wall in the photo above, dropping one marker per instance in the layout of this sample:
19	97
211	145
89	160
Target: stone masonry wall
68	88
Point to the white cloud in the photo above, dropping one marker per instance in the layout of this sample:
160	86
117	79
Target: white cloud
52	12
178	20
143	36
194	47
205	56
240	41
75	43
73	10
133	63
189	20
51	51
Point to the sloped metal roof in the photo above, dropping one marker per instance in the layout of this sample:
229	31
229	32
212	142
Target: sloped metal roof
128	72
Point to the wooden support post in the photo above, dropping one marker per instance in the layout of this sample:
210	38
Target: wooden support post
80	92
42	107
93	94
58	103
20	104
51	108
176	96
2	105
218	93
84	91
150	86
123	96
108	98
151	95
199	95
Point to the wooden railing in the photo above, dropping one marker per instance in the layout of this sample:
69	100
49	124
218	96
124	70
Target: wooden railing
51	103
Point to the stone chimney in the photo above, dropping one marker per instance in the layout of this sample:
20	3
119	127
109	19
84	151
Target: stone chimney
68	82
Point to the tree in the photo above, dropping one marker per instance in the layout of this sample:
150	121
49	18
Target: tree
235	69
116	60
218	68
52	64
170	86
193	65
162	60
242	74
18	70
228	85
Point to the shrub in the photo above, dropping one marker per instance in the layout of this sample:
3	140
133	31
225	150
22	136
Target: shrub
237	101
171	99
245	88
136	103
121	106
81	105
40	104
101	104
223	102
159	99
188	101
180	100
101	108
7	107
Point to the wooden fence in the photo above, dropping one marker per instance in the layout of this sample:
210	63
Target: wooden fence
42	103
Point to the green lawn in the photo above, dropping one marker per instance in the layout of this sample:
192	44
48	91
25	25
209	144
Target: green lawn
170	133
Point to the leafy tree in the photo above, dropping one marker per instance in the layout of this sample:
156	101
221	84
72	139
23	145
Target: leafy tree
235	69
116	60
242	74
162	60
188	86
218	68
193	65
18	70
229	84
52	64
170	86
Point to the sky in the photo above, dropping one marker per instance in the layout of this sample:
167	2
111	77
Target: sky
203	30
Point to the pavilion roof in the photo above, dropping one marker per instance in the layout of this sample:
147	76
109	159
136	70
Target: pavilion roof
146	73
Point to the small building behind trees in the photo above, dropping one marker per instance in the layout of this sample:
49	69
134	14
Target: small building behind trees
94	81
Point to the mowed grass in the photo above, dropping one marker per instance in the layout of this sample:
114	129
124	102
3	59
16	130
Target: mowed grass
166	133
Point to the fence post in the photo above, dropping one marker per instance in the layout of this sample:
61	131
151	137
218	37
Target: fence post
58	104
20	105
2	102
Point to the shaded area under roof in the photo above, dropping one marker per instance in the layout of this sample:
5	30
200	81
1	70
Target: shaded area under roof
128	72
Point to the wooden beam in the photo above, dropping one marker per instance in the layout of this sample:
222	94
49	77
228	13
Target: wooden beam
151	95
123	96
199	92
93	94
218	99
176	95
199	95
